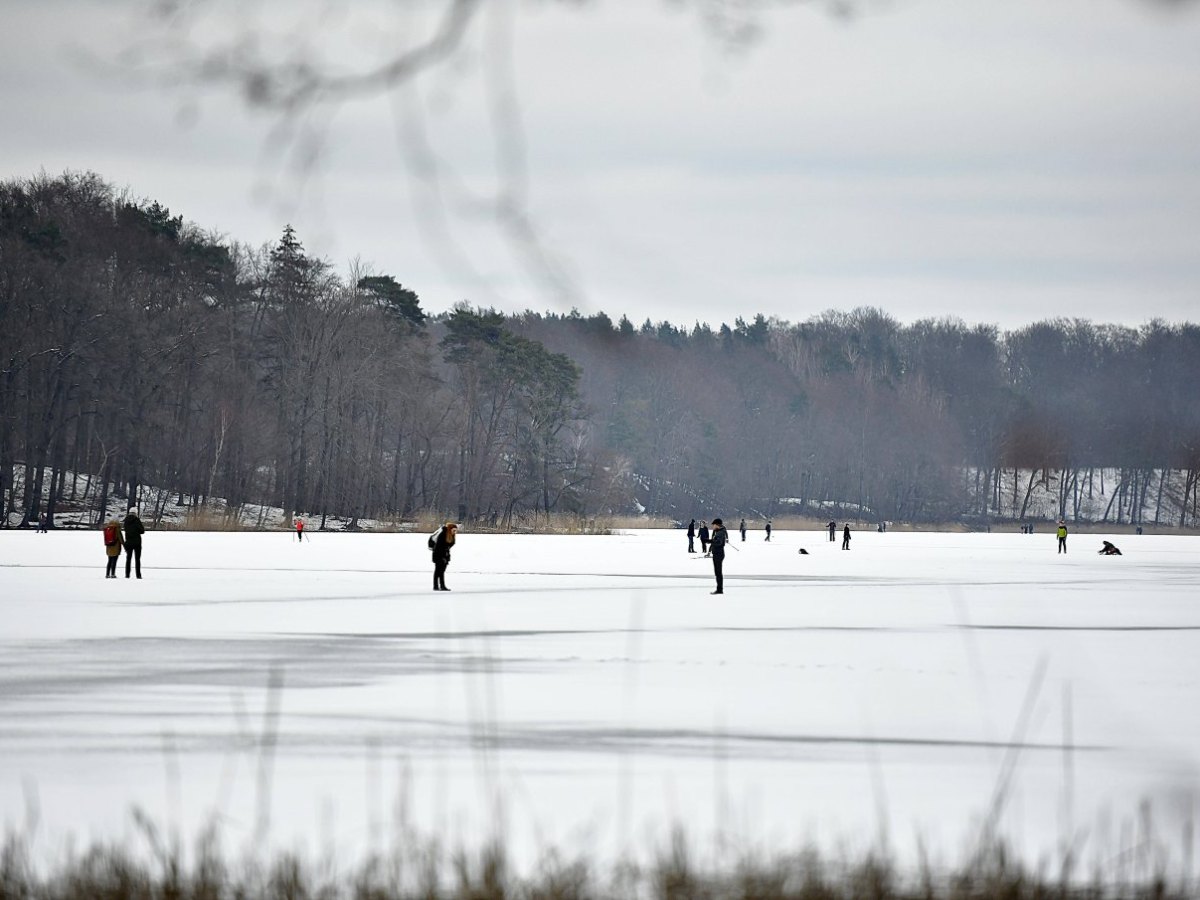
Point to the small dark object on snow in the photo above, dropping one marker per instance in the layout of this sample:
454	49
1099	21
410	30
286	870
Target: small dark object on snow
803	551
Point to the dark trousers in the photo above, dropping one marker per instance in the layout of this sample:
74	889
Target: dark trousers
133	555
111	570
439	575
845	543
718	562
1062	545
299	535
691	543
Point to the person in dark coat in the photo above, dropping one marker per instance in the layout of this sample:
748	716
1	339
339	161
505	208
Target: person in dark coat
768	529
832	531
112	546
441	555
742	528
719	537
846	537
134	529
692	536
704	538
1110	549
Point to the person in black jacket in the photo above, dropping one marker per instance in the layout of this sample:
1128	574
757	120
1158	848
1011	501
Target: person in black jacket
441	555
134	529
704	538
692	536
832	526
742	529
846	537
717	545
1110	549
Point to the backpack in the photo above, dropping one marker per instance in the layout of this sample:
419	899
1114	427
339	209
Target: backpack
433	538
110	535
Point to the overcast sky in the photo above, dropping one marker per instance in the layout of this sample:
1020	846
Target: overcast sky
1003	161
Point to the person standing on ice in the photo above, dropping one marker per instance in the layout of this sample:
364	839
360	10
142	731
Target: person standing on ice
134	529
1062	536
112	546
846	537
704	538
832	531
299	529
692	536
742	529
441	554
719	537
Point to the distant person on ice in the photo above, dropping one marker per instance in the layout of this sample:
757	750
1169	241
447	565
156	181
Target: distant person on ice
742	529
299	529
832	531
768	529
1110	549
441	554
112	546
704	537
719	537
134	529
1062	536
692	536
846	537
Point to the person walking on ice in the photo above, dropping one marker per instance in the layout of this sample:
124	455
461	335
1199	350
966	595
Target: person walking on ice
442	542
846	537
299	529
768	529
1062	536
717	549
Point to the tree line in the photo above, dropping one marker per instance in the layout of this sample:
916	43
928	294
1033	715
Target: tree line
138	349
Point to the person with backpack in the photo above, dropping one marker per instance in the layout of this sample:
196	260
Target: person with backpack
112	546
440	544
134	529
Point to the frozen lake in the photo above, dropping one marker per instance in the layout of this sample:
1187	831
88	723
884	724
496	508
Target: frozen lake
588	692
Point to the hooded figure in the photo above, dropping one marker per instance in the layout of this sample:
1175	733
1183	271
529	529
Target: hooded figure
441	554
1110	549
112	546
1062	536
134	529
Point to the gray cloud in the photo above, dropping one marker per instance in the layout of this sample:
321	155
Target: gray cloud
999	162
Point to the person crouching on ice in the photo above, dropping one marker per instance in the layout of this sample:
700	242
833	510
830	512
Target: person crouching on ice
441	555
1110	549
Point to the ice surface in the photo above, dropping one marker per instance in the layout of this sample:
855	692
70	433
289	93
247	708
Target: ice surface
588	692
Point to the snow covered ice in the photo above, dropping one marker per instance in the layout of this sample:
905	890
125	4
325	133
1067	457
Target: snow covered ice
588	692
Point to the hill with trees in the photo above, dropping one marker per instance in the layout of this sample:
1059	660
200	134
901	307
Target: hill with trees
140	348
